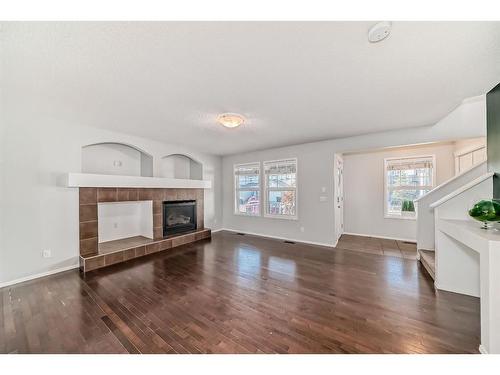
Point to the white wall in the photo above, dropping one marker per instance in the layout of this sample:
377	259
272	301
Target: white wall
467	144
315	170
111	158
175	166
36	214
180	166
124	219
364	189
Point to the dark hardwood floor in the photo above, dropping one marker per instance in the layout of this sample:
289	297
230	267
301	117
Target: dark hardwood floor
241	294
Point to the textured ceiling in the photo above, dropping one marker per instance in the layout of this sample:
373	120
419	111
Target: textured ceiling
294	81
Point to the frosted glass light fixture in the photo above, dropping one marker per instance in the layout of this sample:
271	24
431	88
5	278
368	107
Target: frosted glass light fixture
230	120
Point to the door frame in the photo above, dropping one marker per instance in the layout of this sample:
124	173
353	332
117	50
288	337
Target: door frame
338	196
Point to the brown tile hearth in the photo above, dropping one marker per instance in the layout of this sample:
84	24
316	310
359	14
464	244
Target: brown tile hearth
93	263
113	258
95	255
166	244
157	220
157	207
124	243
88	195
152	248
171	195
128	254
107	194
158	233
140	251
145	194
158	194
127	195
88	247
118	251
88	229
88	212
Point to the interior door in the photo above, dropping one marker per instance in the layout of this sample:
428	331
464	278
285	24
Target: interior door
339	195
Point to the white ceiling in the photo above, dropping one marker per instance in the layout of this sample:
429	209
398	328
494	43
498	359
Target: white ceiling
294	81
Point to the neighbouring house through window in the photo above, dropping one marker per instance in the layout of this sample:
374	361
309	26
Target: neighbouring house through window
407	179
247	189
281	188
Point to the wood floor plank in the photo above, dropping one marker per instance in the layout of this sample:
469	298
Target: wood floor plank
244	294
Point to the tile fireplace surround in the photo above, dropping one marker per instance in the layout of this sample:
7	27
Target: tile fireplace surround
94	255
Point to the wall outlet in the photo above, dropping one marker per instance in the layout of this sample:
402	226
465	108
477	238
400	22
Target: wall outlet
117	163
323	189
302	229
115	225
47	254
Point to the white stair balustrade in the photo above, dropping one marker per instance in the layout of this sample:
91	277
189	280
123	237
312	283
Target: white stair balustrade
425	217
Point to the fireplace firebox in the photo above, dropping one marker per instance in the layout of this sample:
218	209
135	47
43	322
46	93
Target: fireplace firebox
179	217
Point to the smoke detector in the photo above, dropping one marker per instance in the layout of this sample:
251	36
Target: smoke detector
379	32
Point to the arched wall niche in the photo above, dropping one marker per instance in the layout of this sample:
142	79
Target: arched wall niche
116	159
181	166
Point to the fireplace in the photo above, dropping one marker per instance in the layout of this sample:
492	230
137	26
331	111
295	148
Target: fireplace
179	217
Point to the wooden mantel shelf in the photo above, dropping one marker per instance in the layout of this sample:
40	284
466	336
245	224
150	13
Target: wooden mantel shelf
103	180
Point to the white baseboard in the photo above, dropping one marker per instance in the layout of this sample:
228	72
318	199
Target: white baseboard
38	275
452	289
216	230
418	252
336	242
482	349
384	238
279	238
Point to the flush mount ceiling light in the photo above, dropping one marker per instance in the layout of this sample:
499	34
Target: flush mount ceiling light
230	120
379	32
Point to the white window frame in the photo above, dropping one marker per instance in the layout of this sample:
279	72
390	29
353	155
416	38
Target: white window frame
387	215
236	189
267	189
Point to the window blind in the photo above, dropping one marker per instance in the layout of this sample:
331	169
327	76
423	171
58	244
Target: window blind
398	165
247	169
280	167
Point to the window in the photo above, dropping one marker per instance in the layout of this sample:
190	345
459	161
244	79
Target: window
247	189
407	179
281	188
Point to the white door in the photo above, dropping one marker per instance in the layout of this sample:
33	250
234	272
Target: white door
339	195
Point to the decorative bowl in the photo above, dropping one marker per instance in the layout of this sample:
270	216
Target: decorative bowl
486	211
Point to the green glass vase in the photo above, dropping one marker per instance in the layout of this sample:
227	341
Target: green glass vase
486	211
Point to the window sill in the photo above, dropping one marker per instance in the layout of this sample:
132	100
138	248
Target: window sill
400	217
281	217
246	215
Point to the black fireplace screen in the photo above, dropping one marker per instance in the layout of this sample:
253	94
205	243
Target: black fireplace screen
178	217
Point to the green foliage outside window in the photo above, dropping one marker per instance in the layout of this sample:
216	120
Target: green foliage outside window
408	206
